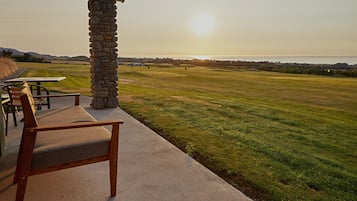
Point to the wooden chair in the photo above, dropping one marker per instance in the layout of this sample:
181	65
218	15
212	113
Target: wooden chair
63	138
2	129
4	102
40	101
14	104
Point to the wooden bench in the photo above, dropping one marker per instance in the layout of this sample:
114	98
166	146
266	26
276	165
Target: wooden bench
63	138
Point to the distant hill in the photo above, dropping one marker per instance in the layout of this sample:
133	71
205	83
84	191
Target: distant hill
47	57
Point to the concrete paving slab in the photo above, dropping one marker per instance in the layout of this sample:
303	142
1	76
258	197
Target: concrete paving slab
150	169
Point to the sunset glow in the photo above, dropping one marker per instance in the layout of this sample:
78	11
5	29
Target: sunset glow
202	57
203	24
160	28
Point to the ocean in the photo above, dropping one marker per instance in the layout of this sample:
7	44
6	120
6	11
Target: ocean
351	60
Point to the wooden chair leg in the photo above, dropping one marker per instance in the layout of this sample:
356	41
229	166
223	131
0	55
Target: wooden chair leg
113	165
17	175
7	123
21	188
20	163
48	103
113	159
23	166
14	114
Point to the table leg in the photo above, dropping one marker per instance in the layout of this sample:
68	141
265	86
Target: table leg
38	88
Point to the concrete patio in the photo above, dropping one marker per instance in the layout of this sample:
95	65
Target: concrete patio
150	169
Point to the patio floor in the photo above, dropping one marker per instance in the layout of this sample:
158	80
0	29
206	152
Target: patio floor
150	169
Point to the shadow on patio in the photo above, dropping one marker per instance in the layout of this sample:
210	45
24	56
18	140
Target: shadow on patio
150	168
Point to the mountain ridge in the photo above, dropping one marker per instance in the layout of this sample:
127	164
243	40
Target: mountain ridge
16	52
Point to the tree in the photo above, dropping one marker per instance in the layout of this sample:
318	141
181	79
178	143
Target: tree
6	53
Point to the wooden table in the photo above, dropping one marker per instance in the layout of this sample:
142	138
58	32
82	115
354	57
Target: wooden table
38	81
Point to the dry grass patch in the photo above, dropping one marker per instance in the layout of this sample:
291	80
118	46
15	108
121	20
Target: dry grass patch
7	67
130	98
126	81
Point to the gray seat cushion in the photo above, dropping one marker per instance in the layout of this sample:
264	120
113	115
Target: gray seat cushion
63	115
53	148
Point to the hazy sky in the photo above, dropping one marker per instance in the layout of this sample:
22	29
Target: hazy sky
188	28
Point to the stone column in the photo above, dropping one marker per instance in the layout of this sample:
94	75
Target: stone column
103	53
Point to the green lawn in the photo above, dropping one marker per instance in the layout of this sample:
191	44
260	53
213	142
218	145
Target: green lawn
77	75
274	136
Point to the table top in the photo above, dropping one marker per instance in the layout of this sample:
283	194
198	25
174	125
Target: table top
36	79
5	96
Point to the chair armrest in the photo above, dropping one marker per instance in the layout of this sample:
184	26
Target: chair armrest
5	101
50	127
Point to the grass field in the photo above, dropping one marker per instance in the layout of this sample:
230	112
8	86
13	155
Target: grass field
274	136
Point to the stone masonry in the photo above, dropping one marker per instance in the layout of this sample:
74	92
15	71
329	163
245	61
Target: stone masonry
103	53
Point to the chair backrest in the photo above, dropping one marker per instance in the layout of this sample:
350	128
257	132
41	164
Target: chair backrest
15	91
26	90
28	109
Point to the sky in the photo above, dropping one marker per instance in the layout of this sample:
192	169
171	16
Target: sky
176	28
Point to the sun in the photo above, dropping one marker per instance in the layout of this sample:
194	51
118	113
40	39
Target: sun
202	57
203	24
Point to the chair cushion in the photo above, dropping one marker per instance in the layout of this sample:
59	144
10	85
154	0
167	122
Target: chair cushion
68	114
53	148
